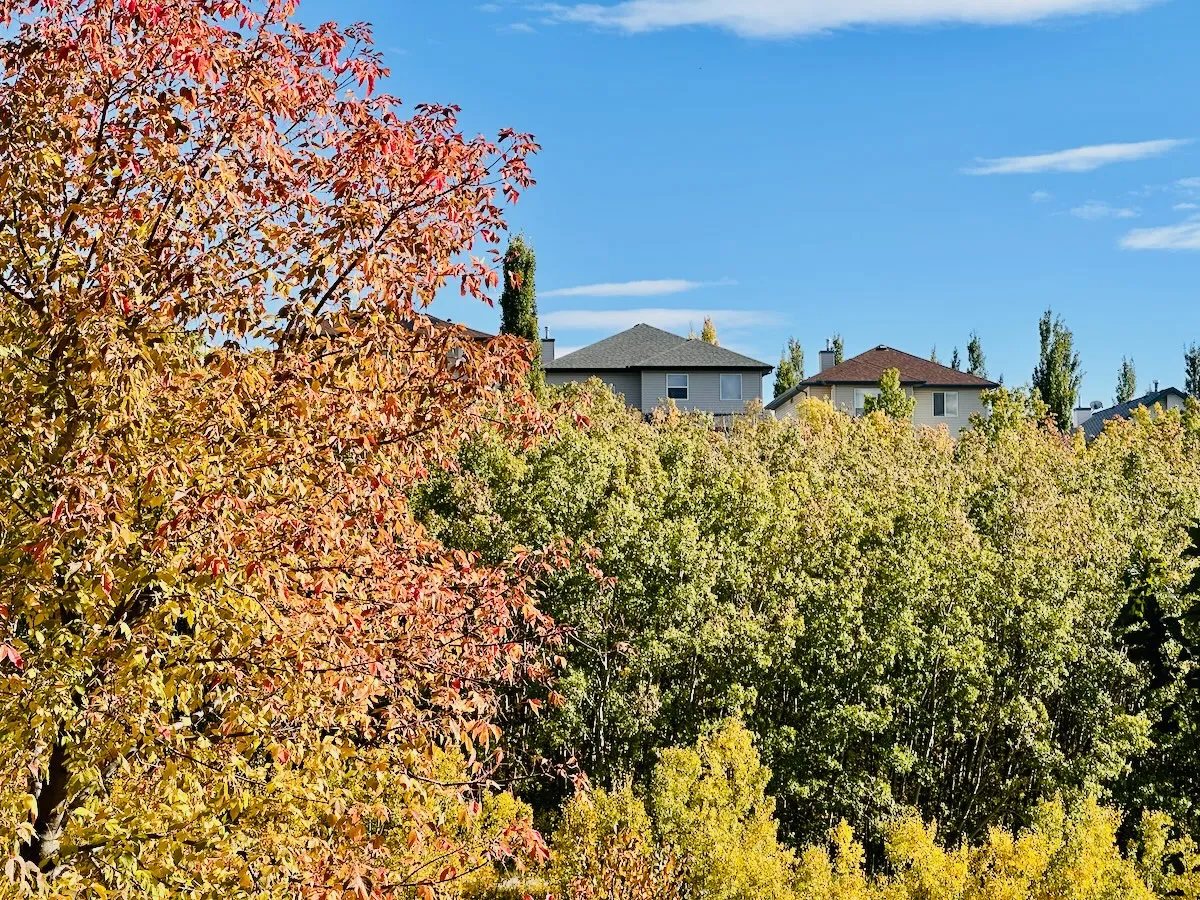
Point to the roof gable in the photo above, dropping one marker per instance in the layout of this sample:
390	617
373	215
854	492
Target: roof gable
644	346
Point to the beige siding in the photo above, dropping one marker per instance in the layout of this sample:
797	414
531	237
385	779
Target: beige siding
629	385
704	391
969	403
842	397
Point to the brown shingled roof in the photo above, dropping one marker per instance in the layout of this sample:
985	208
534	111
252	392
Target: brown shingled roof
868	368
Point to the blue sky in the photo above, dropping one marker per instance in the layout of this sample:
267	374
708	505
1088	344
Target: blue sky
901	172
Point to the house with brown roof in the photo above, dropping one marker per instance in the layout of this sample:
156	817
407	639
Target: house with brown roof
650	367
945	396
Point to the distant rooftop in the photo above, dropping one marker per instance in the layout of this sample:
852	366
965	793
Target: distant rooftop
646	347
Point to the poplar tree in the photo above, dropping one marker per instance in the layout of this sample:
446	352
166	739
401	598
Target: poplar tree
518	302
708	333
1191	369
790	371
1126	381
1058	374
839	350
976	364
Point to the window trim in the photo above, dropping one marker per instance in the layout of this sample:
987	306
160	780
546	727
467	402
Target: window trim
687	383
721	385
945	414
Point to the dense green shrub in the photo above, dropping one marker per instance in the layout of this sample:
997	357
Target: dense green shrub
903	621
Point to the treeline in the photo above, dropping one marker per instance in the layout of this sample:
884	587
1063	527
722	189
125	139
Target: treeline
907	625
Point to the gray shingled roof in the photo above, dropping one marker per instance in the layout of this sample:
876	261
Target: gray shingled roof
1093	426
646	347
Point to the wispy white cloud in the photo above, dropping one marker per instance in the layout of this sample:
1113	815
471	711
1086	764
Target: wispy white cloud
1185	206
789	18
670	319
1078	159
1184	236
657	287
1188	184
1098	209
1040	196
520	28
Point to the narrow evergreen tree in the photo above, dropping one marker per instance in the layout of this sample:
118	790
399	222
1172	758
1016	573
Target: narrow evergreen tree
1058	375
708	333
933	357
790	371
1126	381
892	399
1191	369
955	361
976	364
839	350
518	302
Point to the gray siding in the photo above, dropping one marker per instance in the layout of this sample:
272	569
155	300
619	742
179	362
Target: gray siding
627	384
704	391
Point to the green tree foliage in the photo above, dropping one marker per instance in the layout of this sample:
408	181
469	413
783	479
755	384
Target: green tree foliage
708	333
1057	376
902	620
955	361
839	350
933	355
976	363
893	400
518	301
1126	381
790	371
1191	370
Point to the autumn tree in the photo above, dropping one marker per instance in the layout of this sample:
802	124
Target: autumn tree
708	333
976	363
518	302
892	400
1058	375
790	371
1126	381
231	660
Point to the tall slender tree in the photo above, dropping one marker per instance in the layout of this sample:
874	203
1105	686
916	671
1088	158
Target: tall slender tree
839	350
1191	370
976	364
933	356
1126	381
708	333
790	371
518	302
1058	374
955	361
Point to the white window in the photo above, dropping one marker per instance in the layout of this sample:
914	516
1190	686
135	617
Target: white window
860	399
731	387
945	404
677	387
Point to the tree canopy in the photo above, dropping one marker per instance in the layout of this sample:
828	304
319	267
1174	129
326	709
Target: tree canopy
232	660
790	371
1057	376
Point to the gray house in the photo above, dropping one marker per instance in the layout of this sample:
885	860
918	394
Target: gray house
1093	420
649	366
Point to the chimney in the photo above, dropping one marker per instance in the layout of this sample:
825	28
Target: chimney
826	357
547	348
